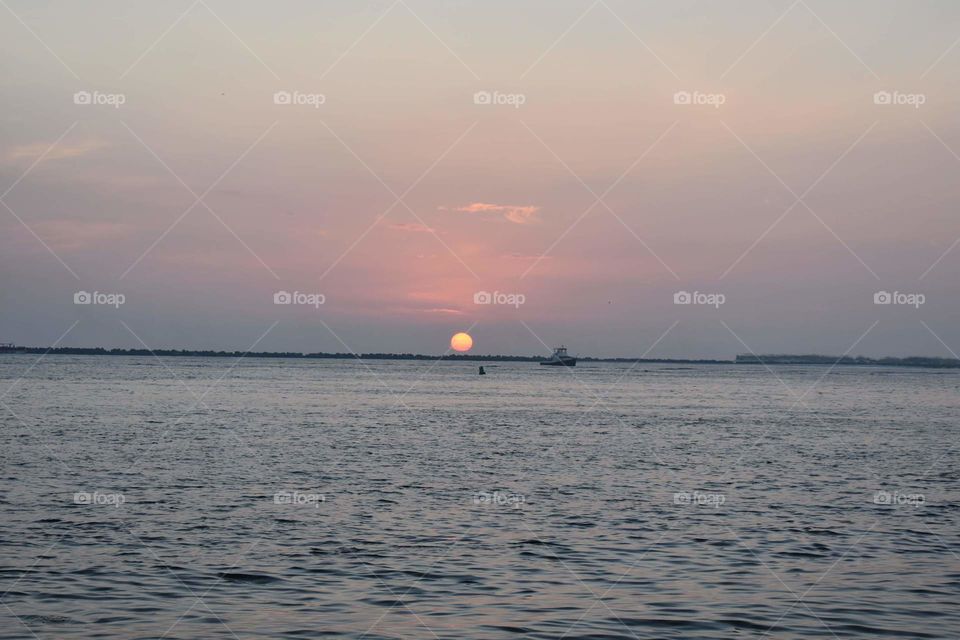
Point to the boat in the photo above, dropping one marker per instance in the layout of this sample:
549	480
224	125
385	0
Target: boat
560	358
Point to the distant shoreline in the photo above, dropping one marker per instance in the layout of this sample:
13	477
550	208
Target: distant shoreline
761	360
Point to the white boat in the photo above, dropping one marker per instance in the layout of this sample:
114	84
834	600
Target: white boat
560	358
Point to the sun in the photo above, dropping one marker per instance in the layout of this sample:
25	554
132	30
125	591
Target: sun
461	342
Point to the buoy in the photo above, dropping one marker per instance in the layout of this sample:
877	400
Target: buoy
482	372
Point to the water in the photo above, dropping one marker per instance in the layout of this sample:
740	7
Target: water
663	501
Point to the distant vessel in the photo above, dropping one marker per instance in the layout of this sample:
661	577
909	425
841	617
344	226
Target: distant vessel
560	358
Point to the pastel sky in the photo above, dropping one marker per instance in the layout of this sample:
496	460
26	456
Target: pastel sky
584	183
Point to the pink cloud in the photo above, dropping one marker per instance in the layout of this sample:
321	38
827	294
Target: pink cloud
524	256
444	310
33	151
517	214
411	226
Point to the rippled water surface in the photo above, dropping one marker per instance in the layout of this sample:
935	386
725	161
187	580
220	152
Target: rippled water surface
662	501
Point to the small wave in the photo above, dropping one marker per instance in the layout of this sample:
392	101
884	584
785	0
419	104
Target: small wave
47	619
536	542
253	578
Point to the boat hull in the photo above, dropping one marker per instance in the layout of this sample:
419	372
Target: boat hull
568	362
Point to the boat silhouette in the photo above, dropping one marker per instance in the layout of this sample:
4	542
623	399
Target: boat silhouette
560	358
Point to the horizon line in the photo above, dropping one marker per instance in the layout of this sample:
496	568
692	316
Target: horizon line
746	359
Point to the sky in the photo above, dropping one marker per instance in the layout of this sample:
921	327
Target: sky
787	167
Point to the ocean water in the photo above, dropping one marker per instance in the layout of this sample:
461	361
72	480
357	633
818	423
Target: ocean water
209	498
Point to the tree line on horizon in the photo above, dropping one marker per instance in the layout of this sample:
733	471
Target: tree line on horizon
912	361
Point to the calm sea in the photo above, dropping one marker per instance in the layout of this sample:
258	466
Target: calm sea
204	498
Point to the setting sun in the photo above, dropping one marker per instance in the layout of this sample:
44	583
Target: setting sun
461	342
